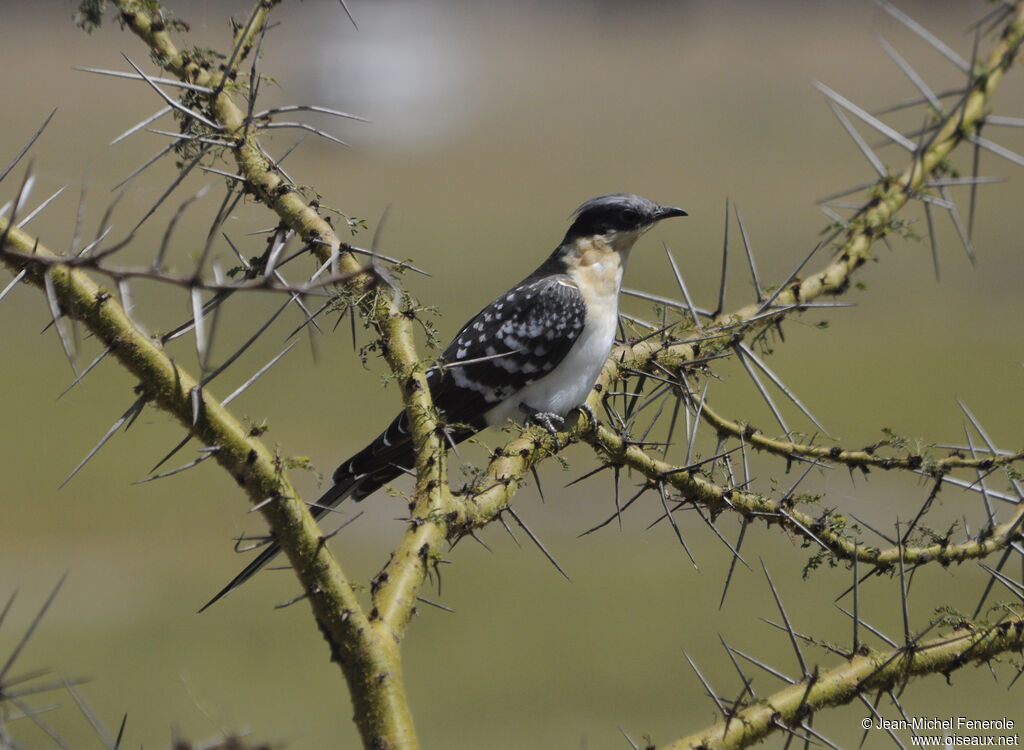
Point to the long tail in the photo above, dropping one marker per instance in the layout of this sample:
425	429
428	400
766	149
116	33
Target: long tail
335	495
374	466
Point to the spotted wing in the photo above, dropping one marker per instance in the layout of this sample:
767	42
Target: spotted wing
517	339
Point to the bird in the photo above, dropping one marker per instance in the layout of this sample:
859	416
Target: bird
532	355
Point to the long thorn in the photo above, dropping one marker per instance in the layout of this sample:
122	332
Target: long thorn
18	157
31	629
892	134
36	211
784	285
707	687
910	73
760	387
922	32
170	100
537	541
86	371
682	287
307	108
132	410
675	526
954	214
351	18
785	618
725	264
903	593
781	386
750	255
141	124
149	162
173	82
58	318
732	562
855	648
858	140
762	665
174	184
874	630
931	238
618	511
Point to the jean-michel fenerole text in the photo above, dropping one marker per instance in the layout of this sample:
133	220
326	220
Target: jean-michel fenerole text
960	723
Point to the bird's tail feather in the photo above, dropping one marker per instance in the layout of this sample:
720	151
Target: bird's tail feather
367	471
333	496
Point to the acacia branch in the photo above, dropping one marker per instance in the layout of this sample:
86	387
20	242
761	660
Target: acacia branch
395	588
865	673
258	471
262	177
367	653
854	458
827	530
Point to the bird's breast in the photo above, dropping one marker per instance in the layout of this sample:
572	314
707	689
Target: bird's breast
597	271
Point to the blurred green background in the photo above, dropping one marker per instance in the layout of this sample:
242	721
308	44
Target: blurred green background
491	122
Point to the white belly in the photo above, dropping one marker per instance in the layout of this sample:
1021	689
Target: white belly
569	384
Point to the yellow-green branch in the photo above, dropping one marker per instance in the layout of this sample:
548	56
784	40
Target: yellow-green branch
864	457
863	674
367	651
394	596
262	177
255	468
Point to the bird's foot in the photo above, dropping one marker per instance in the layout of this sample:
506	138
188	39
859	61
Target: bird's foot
545	419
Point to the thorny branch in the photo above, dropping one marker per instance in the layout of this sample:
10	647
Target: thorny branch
671	358
862	674
367	651
866	457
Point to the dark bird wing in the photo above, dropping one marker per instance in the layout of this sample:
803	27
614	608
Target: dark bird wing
516	340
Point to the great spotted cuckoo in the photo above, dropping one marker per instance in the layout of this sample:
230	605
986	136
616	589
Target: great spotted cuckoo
533	354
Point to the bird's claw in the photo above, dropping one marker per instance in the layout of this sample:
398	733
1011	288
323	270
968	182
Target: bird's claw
592	423
548	420
545	419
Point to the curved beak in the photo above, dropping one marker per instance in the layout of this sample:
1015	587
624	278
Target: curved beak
667	212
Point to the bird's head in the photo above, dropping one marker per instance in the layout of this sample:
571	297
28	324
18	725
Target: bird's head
616	220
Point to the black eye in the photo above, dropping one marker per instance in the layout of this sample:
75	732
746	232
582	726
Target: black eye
629	218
